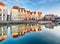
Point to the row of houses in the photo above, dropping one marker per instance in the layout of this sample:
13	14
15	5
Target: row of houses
50	17
17	13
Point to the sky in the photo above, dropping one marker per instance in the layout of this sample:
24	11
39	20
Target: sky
45	6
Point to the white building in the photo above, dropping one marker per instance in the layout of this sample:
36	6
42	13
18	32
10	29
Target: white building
14	13
17	13
3	12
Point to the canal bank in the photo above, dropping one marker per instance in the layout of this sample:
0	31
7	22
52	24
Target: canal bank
24	22
17	22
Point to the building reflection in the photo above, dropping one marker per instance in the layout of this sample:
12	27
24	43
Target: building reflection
50	26
19	30
3	32
14	30
22	29
35	27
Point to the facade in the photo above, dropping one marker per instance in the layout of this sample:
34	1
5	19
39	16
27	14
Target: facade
28	15
49	17
36	15
17	13
3	12
21	15
14	13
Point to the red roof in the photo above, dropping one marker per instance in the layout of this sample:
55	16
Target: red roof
18	8
15	7
2	4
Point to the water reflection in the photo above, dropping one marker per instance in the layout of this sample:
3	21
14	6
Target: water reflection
21	29
50	26
15	31
3	32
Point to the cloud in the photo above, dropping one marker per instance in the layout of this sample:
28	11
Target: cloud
0	0
53	0
33	2
9	1
17	0
46	1
41	2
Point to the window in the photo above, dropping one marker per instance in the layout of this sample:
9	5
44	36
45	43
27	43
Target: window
3	14
3	9
0	9
0	14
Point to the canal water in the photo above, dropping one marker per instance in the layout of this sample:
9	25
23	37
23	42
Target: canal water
29	34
